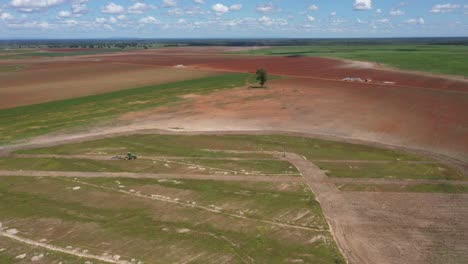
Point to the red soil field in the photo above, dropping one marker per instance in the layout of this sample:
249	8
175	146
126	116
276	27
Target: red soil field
432	120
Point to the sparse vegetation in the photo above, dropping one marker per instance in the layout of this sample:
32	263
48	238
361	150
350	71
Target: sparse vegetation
28	121
446	59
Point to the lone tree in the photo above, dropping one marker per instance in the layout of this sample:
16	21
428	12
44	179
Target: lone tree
262	76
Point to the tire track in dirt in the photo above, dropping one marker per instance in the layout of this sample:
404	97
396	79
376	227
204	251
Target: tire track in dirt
61	250
68	174
404	182
205	208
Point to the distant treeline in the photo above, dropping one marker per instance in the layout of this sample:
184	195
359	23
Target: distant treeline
150	43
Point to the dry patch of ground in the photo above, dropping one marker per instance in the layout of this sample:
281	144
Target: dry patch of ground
49	81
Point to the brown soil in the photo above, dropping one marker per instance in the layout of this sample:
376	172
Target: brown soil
49	81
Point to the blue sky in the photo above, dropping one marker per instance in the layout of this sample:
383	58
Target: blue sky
231	18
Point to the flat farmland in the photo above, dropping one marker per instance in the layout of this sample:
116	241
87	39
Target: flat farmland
176	215
50	81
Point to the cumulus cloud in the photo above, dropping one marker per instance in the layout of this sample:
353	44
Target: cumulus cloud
313	8
34	5
220	9
169	3
139	8
397	12
200	2
79	7
310	18
113	8
148	20
235	7
415	21
267	8
267	21
362	5
6	16
63	14
444	8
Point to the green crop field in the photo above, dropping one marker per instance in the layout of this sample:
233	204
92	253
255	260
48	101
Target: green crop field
209	222
28	121
444	59
393	170
200	146
419	188
10	68
202	166
395	165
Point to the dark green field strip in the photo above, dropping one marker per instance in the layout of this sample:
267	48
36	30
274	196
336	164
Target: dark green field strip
445	59
278	167
418	188
393	170
200	146
28	121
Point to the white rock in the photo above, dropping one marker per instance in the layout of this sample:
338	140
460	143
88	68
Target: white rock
2	249
76	188
116	257
12	231
22	256
37	257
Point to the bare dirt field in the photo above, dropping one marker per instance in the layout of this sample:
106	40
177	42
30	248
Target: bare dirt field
416	111
385	114
56	80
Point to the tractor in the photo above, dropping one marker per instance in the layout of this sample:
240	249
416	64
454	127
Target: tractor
129	156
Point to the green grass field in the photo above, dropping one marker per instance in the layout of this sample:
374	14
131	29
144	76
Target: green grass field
394	170
101	219
419	188
150	166
33	120
313	149
200	146
10	68
444	59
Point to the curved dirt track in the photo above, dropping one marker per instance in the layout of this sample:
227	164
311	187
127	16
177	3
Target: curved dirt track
373	227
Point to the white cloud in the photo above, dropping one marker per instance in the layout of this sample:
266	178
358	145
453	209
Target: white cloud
186	12
139	8
383	20
310	18
362	5
444	8
63	14
6	16
267	21
397	12
220	8
333	14
267	8
34	5
415	21
235	7
313	8
100	20
200	2
169	3
149	20
31	25
378	11
79	7
113	8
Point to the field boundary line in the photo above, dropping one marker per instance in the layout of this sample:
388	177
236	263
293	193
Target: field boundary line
205	208
61	250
